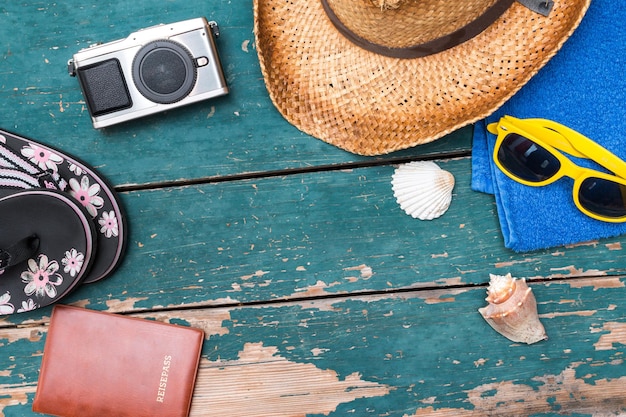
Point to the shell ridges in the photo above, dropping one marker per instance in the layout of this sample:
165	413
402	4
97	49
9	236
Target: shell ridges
512	310
422	189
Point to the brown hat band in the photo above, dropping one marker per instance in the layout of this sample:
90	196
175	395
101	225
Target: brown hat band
427	48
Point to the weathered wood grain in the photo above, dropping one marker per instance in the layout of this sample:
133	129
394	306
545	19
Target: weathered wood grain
317	294
423	352
313	235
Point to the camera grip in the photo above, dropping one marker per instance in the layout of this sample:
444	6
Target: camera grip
104	87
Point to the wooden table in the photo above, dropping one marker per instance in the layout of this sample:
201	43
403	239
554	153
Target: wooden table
318	295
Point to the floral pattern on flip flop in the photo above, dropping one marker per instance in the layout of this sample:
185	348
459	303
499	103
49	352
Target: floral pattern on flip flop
28	305
61	184
5	306
78	171
87	194
108	224
73	262
80	188
54	169
41	157
42	277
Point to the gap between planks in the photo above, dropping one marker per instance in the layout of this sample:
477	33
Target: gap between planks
425	291
291	171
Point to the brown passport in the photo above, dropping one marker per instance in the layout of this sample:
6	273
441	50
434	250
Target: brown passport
102	364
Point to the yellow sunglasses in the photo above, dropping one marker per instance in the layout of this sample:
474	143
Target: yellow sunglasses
527	151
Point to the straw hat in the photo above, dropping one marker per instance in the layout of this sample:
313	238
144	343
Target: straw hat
376	76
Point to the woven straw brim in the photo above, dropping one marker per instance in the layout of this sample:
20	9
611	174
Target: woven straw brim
370	104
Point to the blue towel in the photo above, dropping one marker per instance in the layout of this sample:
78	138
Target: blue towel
583	87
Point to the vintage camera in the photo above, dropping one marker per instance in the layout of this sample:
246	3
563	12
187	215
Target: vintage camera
152	70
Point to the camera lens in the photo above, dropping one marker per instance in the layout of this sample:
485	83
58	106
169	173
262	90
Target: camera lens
164	71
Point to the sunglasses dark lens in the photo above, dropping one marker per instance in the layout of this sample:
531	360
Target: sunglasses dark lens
603	197
526	160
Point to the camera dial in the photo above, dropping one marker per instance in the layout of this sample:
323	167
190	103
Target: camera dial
164	71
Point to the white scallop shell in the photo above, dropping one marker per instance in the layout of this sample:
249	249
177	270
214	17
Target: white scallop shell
423	190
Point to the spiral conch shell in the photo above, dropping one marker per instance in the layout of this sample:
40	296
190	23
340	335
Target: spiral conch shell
422	189
512	310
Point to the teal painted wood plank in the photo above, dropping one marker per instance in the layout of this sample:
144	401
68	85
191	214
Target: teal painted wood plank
424	352
315	234
239	133
312	287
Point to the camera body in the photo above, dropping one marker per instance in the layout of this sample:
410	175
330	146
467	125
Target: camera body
152	70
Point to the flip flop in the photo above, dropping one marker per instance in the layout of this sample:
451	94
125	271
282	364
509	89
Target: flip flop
46	248
26	164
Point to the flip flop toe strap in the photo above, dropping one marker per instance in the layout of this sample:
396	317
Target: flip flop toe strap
18	172
29	165
19	252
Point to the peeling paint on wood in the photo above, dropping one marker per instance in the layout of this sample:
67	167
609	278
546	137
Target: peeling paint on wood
26	334
569	313
508	264
318	296
261	383
614	246
115	306
553	394
211	324
348	355
616	334
614	282
576	272
11	396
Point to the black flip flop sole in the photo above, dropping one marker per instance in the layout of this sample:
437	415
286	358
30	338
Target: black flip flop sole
85	185
62	257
